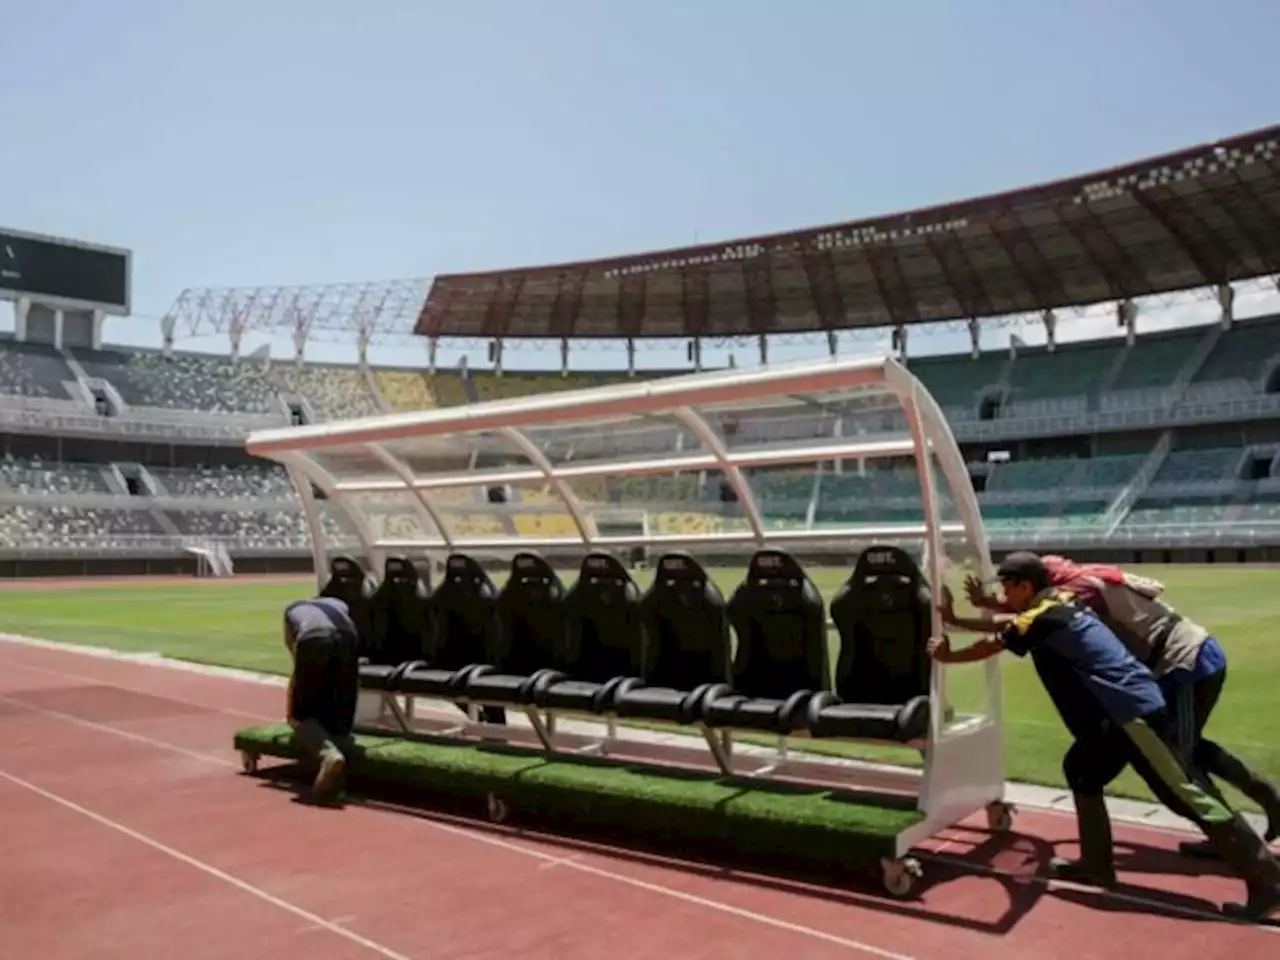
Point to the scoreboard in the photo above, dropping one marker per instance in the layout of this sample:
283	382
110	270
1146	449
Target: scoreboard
64	273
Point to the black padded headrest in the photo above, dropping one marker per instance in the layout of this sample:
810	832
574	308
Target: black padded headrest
344	568
398	570
681	568
604	566
531	566
461	568
886	561
774	565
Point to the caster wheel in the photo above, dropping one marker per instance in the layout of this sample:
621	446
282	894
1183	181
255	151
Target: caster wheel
900	876
249	762
497	807
1000	816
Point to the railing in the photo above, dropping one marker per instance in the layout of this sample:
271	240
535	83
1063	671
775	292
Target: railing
1134	489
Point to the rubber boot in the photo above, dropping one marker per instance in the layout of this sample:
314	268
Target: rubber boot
1228	767
1096	866
327	787
1240	846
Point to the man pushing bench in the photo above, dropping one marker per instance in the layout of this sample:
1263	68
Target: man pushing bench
324	685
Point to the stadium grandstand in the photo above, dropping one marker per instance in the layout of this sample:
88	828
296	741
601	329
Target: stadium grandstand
1161	445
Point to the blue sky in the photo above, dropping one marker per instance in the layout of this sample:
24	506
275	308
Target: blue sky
244	143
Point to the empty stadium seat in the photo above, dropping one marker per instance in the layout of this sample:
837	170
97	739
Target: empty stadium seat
531	622
604	648
349	583
884	615
781	661
463	634
401	615
687	648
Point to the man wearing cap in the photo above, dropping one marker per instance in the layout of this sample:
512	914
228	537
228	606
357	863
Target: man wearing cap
1188	662
1115	710
324	685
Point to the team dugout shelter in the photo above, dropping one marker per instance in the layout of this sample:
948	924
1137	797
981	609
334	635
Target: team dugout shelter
600	481
521	483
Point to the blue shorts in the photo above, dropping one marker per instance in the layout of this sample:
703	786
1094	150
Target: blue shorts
1178	687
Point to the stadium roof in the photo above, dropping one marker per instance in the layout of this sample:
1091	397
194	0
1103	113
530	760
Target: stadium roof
1200	217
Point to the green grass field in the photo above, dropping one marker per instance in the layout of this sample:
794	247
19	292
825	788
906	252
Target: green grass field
238	625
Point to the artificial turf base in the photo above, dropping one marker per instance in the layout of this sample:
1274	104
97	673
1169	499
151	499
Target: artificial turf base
683	811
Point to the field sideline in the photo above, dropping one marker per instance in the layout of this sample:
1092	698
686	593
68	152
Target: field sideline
236	624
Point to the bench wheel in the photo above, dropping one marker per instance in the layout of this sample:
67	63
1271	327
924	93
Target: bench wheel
900	876
1000	816
248	762
498	809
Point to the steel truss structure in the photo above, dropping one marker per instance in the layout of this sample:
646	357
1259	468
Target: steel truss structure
1207	216
397	478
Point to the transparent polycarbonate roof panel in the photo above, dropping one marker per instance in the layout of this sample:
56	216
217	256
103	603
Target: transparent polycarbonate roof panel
624	438
795	421
392	515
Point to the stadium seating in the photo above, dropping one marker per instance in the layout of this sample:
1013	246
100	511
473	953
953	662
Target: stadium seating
33	370
1153	361
224	483
183	381
1113	375
1242	354
406	390
334	392
23	475
603	649
1197	466
956	382
1073	370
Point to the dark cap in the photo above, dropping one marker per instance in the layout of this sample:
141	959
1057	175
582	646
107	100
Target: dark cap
1023	565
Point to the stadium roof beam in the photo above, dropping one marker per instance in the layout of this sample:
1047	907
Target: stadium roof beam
1041	282
884	273
824	287
1206	257
1250	234
1105	253
965	284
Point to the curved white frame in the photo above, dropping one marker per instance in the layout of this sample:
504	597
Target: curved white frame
964	767
676	397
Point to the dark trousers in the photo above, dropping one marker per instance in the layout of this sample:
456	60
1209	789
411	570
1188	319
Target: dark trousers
1150	746
326	685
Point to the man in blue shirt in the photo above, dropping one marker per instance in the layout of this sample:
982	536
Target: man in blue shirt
324	685
1116	712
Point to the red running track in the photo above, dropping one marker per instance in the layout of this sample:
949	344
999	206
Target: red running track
129	832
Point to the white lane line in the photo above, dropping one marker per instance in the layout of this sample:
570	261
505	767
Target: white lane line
168	851
100	682
545	859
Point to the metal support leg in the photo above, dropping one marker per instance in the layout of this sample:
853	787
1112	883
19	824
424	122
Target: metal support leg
541	728
716	744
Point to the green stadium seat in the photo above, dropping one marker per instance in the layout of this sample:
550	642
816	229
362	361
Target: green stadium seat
1243	353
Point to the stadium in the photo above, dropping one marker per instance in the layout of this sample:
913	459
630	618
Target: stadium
1127	445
